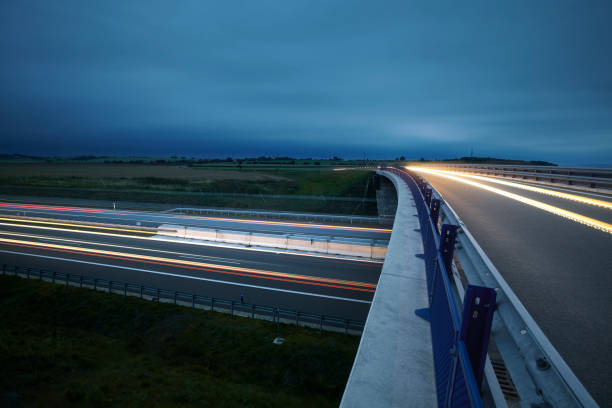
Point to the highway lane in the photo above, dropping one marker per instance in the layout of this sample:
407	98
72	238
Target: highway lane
152	219
560	269
314	284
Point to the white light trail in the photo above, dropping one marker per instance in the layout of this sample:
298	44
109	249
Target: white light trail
591	222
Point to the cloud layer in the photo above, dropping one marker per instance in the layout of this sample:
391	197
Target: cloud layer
308	78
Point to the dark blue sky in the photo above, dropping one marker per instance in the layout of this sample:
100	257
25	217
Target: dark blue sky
529	80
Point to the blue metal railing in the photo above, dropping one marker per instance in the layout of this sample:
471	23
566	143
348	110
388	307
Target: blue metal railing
458	340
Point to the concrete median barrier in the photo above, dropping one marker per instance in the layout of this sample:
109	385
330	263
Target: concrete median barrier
354	247
308	243
350	247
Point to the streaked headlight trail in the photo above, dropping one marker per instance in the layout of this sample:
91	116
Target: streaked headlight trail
591	222
553	193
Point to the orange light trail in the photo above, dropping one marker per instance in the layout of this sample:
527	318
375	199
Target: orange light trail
237	220
223	269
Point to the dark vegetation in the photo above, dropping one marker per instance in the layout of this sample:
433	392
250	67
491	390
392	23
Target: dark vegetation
64	346
492	160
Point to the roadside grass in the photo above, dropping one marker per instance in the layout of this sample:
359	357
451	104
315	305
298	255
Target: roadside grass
194	186
64	346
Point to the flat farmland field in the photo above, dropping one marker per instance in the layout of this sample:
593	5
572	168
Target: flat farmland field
287	189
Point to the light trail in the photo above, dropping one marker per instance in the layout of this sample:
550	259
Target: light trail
558	194
591	222
204	243
236	220
197	278
16	221
224	269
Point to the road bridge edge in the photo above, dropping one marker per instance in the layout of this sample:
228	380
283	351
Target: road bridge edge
394	361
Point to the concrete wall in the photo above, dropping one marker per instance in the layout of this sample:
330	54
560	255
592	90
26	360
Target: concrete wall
394	362
363	248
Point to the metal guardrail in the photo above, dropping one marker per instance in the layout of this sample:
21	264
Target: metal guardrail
234	307
538	372
280	215
459	343
591	178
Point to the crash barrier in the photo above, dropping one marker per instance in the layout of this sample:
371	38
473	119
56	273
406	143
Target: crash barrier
355	247
459	343
530	370
234	307
284	215
581	178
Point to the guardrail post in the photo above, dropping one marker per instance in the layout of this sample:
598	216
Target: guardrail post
447	245
110	283
435	212
192	301
478	309
53	277
4	269
141	291
81	281
212	304
427	194
252	311
28	272
125	289
95	284
297	318
175	297
158	298
67	276
232	307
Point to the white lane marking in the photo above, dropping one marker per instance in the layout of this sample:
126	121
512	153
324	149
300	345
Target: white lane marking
176	275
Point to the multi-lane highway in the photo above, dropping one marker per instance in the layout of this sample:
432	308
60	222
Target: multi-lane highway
309	283
155	219
555	252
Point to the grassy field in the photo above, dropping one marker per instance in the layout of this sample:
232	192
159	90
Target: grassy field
63	346
194	185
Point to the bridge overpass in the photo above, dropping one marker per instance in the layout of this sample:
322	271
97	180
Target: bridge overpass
550	269
548	261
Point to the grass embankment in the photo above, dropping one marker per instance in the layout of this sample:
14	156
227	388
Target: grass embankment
314	190
64	346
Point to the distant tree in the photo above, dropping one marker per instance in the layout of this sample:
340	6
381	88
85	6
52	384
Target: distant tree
421	159
402	158
336	158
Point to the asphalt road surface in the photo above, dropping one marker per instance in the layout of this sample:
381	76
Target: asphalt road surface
312	284
155	219
560	269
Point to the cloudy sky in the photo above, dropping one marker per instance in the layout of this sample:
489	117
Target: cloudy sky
529	79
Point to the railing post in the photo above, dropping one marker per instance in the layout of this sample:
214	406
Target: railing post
67	276
4	269
81	281
435	212
53	277
28	272
427	194
252	311
192	301
212	304
175	297
447	245
110	283
95	284
232	307
478	308
125	289
141	291
15	270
